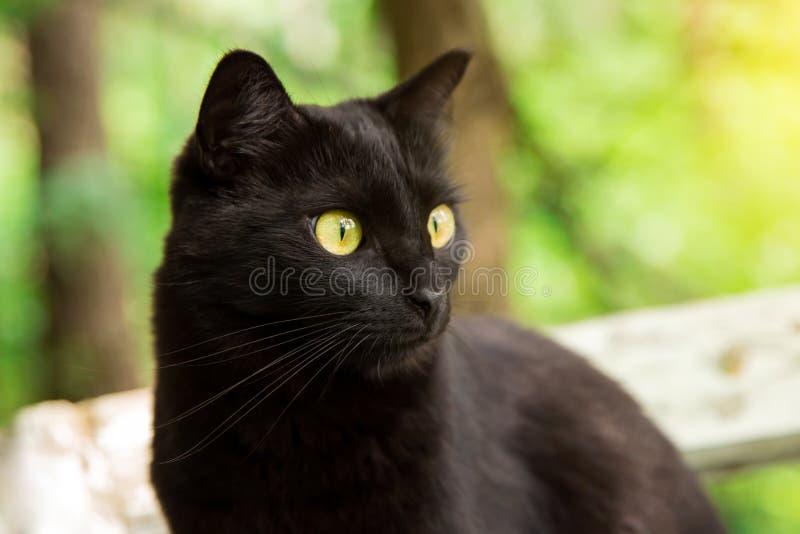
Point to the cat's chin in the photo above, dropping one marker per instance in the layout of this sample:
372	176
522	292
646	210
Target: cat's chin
398	360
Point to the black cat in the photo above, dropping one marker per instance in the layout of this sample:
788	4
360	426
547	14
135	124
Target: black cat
293	397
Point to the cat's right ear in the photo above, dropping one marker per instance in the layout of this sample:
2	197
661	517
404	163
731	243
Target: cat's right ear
246	114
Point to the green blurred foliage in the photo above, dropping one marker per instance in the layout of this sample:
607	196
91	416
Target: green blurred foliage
655	157
676	134
761	502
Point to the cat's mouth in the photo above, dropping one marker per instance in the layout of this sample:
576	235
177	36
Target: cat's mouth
413	340
405	346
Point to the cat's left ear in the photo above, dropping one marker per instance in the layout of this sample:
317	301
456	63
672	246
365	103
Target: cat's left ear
425	95
246	114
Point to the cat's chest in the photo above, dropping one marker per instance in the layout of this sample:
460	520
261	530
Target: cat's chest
342	464
364	489
355	482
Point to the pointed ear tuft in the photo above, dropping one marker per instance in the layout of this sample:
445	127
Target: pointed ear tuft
246	113
425	95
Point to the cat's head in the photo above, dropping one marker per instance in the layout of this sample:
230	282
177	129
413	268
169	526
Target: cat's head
332	219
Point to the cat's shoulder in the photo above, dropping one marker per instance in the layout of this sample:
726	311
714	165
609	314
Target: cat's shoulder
500	342
577	430
533	367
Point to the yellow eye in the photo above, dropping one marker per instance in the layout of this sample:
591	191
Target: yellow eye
338	231
441	225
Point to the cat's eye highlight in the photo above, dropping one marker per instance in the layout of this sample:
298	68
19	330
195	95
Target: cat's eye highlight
338	232
441	225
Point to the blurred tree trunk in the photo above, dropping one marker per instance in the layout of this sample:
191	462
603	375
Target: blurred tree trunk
421	30
87	344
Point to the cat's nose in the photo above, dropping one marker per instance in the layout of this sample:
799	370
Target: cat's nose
426	300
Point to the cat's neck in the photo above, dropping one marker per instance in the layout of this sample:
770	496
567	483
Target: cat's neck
322	398
288	387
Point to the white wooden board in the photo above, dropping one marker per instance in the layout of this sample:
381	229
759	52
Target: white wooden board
711	373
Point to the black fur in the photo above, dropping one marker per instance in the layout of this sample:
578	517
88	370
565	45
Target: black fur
387	419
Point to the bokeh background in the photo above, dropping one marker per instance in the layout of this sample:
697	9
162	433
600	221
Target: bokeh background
635	153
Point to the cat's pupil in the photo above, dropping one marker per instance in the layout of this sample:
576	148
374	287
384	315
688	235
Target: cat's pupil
342	230
435	225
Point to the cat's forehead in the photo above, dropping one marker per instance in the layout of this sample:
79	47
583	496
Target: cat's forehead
407	163
357	123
